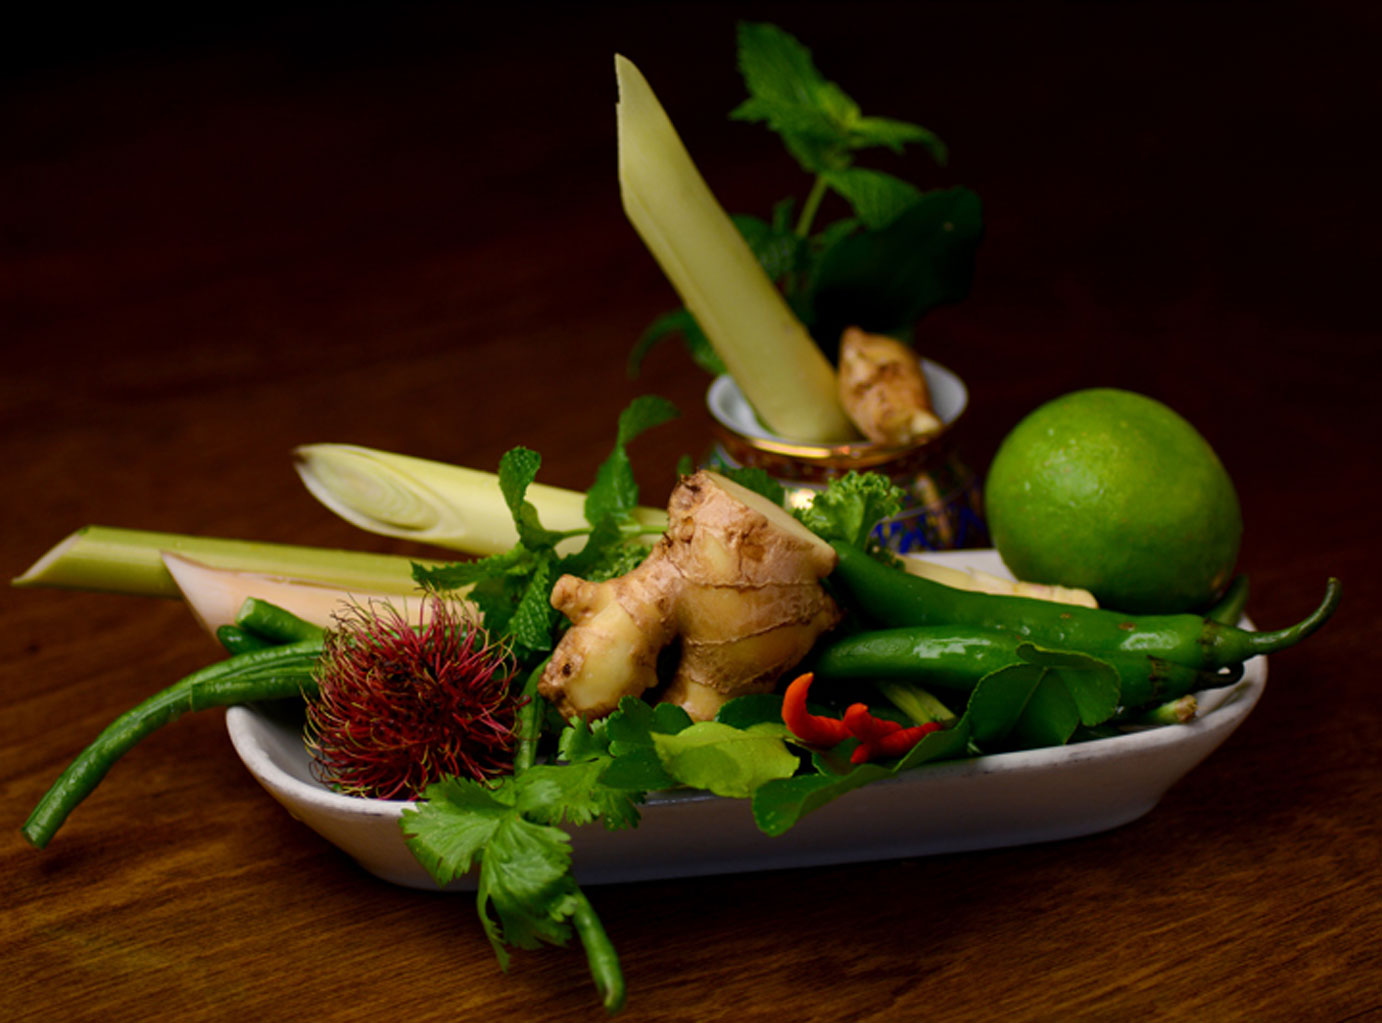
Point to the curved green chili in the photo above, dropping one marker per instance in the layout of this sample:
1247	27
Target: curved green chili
955	657
891	597
269	674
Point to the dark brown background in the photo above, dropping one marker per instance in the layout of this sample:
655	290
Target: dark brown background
229	233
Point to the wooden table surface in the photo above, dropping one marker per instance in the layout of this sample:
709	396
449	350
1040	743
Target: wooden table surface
400	227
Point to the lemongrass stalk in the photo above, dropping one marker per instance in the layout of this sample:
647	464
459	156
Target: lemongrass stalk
767	351
985	582
216	595
433	502
130	561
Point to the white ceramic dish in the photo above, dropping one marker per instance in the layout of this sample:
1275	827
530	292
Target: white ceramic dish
985	802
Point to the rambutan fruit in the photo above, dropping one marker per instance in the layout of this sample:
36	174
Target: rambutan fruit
401	706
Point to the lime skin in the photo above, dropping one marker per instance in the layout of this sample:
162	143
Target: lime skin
1114	492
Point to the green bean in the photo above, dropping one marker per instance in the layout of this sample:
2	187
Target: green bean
600	954
268	674
273	623
528	722
236	640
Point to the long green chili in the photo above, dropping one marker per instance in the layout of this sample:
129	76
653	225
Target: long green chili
957	657
889	597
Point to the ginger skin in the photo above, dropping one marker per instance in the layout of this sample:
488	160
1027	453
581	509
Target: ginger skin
735	579
884	390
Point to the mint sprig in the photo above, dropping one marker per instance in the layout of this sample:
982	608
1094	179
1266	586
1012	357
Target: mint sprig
513	589
919	243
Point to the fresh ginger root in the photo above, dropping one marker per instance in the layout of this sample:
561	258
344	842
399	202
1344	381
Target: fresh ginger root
884	390
735	580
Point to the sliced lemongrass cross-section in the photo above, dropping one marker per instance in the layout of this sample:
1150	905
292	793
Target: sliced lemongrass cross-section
130	561
765	347
434	502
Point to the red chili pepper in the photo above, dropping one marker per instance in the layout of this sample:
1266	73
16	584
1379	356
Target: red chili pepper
810	728
865	727
879	737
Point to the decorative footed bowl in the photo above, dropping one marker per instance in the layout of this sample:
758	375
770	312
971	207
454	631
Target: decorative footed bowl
943	506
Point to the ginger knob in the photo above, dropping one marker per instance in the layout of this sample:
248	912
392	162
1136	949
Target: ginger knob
884	390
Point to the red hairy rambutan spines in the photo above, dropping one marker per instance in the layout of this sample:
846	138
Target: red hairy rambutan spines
402	706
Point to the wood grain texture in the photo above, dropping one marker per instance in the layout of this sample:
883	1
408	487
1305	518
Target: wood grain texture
224	236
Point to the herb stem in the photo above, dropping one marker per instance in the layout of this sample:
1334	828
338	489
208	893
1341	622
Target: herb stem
811	206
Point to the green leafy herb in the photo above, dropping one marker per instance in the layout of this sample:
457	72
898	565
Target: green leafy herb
851	506
513	589
511	829
1041	700
900	250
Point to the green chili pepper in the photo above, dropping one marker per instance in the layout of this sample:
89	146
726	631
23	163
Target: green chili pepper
956	657
891	597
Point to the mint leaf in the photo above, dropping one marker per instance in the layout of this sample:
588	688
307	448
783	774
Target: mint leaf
531	622
891	134
517	469
615	491
677	323
885	279
877	198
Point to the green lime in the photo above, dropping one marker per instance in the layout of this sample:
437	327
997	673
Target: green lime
1114	492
